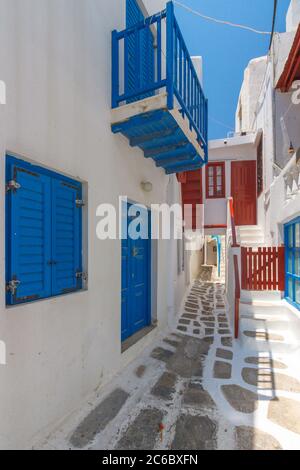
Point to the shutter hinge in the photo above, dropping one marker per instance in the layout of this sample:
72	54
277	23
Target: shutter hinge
80	203
83	276
12	286
12	185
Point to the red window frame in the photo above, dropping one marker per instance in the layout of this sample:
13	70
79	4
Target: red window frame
212	180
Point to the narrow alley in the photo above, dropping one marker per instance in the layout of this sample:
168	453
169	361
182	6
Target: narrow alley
196	389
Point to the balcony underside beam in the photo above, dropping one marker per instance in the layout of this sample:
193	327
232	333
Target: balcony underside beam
176	158
162	135
193	165
160	150
168	163
150	139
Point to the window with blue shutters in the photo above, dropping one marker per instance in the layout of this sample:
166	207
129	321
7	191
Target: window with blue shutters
133	13
43	233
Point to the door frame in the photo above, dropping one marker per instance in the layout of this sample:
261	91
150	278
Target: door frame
287	274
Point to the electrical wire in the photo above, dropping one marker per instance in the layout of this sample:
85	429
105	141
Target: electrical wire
228	23
220	123
273	23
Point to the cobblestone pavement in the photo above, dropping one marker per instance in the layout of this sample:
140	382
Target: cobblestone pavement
195	389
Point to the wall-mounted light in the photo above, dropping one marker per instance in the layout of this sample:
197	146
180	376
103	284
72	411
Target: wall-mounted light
147	186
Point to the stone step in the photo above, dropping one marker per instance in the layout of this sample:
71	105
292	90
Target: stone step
261	296
263	340
250	228
279	323
265	309
252	235
252	243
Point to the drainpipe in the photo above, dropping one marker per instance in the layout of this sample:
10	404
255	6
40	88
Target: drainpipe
219	256
272	55
218	240
273	109
273	22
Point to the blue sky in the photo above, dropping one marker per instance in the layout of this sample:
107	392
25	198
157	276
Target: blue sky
226	51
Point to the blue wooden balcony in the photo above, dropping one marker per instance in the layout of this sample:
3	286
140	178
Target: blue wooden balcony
157	99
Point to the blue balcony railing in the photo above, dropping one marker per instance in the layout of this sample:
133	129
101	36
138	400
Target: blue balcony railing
139	72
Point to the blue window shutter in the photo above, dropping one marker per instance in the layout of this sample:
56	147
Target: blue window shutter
125	290
133	13
147	60
144	67
29	235
66	237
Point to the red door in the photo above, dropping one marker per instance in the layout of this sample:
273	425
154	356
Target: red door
243	191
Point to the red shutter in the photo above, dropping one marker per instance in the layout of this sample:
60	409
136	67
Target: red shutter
192	191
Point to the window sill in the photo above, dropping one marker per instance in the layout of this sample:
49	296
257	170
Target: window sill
215	197
49	299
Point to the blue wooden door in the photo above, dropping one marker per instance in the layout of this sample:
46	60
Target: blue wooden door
136	278
292	244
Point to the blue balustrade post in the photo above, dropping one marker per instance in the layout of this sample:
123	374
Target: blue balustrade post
159	54
170	54
115	69
206	129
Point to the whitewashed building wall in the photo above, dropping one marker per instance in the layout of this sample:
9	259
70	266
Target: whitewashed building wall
55	57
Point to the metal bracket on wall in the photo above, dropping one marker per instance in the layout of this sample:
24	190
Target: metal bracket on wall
80	203
12	286
83	276
12	185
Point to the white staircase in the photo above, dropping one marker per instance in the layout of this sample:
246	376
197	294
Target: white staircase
250	235
267	324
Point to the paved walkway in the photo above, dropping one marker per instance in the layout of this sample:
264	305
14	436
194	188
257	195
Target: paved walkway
194	389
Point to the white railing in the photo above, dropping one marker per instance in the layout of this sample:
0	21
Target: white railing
291	175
